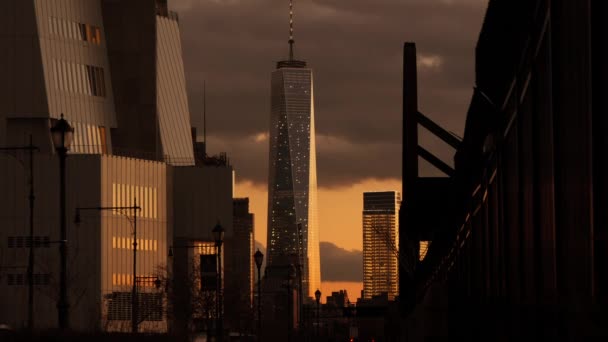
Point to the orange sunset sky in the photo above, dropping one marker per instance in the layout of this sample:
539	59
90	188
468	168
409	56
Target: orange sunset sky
340	218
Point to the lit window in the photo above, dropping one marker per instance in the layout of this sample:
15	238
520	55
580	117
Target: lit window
424	246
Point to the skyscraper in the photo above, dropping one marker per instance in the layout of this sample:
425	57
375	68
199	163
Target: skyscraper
293	228
380	236
240	268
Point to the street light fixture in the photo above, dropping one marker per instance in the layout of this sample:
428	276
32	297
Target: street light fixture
218	235
134	296
318	299
258	257
62	134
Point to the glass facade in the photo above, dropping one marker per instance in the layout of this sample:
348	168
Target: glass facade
292	186
380	241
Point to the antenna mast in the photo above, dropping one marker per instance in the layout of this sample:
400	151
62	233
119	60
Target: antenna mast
291	41
205	119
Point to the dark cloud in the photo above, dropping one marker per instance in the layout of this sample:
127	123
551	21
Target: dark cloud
355	49
338	264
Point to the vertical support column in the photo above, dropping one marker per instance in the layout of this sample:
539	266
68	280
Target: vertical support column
527	208
573	160
544	184
600	146
408	244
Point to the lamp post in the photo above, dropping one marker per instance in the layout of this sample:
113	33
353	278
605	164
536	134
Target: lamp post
258	257
62	134
30	265
134	208
318	299
218	235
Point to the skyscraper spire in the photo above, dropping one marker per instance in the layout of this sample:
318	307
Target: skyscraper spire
291	41
291	62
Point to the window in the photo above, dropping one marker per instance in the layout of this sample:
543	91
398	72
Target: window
75	30
80	78
21	279
150	306
26	242
123	195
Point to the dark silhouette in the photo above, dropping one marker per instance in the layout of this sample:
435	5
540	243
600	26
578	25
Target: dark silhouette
517	229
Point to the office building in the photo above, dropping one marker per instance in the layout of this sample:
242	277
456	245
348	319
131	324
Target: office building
114	70
293	227
240	269
380	243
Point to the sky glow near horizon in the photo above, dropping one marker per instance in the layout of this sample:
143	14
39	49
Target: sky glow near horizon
355	50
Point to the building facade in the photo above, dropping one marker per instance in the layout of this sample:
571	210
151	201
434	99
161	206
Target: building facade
114	70
380	243
240	266
293	227
523	247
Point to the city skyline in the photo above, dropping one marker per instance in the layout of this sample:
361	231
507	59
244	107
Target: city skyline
358	100
177	170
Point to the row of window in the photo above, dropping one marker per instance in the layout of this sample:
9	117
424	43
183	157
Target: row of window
17	279
126	279
89	139
127	243
75	30
79	78
123	195
26	241
150	306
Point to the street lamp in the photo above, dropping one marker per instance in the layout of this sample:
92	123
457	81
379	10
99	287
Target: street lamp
134	208
30	267
62	134
258	257
218	236
318	298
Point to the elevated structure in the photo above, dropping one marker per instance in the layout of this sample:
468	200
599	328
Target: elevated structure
293	227
521	240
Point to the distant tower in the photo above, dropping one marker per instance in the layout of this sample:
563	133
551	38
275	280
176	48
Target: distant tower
380	240
292	180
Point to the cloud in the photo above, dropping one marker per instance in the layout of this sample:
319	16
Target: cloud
355	48
338	264
432	62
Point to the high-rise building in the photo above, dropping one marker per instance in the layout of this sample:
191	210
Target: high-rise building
293	228
114	70
380	241
240	268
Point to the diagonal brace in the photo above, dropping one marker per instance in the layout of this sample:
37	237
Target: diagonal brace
438	163
444	135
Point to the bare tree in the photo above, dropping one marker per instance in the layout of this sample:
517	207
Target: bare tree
190	307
